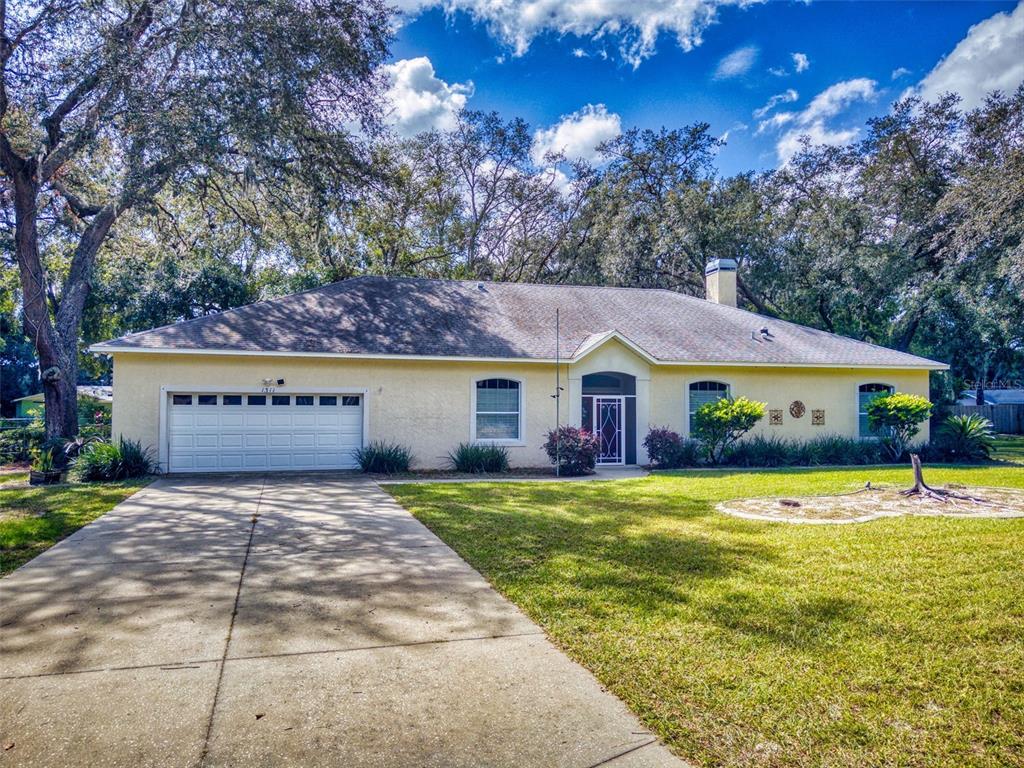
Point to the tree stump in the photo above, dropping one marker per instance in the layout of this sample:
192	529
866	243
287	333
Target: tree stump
921	488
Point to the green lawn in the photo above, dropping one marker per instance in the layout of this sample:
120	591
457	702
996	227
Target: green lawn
898	642
1009	448
34	518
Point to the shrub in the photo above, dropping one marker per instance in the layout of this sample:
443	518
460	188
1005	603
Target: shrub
103	461
761	451
966	438
43	460
575	451
898	416
473	457
772	451
721	423
17	444
382	457
667	450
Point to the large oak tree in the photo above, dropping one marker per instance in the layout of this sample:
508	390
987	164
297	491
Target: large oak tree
103	104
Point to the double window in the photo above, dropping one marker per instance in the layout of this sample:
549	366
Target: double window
703	392
498	410
865	394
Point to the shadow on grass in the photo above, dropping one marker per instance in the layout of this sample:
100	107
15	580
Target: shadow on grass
623	549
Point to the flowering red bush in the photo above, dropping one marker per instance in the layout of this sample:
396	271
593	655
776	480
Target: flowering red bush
575	451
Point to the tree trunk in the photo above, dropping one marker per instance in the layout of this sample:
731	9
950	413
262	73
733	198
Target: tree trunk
57	352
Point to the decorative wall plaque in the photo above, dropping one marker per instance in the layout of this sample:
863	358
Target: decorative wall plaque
796	409
818	417
775	416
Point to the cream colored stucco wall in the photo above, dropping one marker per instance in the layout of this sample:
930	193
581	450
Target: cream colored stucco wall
833	390
428	404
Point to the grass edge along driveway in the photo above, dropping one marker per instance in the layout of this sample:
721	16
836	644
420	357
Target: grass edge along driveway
34	518
744	643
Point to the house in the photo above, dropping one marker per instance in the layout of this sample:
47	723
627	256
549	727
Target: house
993	397
32	406
301	381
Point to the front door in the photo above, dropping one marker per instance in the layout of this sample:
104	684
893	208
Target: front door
608	421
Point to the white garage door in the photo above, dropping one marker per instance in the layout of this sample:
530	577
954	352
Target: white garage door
238	433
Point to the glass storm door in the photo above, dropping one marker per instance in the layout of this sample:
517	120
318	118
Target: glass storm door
608	428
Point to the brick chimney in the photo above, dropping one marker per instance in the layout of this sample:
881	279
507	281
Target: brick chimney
720	281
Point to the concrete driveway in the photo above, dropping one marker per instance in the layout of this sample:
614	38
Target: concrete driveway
285	621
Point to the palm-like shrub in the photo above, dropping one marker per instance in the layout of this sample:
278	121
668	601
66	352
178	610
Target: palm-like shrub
966	438
667	450
573	450
383	458
103	461
479	457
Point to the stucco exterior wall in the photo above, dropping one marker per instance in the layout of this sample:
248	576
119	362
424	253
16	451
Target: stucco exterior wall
428	404
831	390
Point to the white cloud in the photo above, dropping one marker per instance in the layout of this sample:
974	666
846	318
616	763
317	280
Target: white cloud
813	120
990	57
420	101
898	73
789	144
838	97
777	71
579	53
635	24
577	135
736	63
800	62
787	96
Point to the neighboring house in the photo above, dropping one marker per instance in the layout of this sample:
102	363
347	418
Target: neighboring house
34	407
993	397
301	381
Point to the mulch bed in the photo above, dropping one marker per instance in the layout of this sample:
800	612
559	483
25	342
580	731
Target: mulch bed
877	502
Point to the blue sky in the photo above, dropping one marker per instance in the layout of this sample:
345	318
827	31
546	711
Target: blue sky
546	60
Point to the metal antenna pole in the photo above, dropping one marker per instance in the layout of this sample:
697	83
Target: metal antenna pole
558	396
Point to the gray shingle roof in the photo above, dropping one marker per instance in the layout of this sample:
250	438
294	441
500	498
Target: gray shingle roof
409	316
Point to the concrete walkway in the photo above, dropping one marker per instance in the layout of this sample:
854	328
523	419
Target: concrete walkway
285	621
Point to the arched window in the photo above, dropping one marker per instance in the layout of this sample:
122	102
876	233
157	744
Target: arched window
865	394
498	409
702	392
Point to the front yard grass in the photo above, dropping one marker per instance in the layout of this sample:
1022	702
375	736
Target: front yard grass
898	642
34	518
1009	448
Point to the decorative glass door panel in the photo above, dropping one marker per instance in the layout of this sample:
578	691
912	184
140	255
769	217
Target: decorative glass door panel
607	415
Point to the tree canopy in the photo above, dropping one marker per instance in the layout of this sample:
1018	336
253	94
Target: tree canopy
182	158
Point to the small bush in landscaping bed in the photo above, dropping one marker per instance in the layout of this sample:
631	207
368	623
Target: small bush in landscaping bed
384	458
667	450
574	450
966	438
720	424
100	460
471	457
898	417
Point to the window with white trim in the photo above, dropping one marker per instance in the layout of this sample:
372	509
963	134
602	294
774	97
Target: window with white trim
865	394
703	392
498	408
